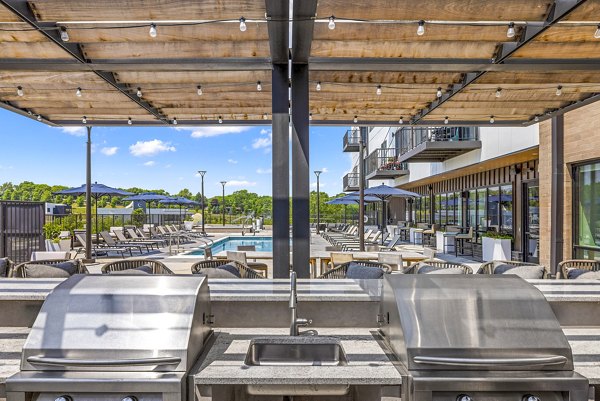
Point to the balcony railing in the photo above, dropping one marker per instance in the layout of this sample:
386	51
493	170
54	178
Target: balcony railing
436	144
351	139
383	164
351	182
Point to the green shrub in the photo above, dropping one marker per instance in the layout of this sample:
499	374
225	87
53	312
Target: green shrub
138	217
497	235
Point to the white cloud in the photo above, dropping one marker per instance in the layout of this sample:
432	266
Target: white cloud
150	163
168	166
150	148
232	161
325	170
208	132
240	183
260	143
264	131
75	131
109	151
264	171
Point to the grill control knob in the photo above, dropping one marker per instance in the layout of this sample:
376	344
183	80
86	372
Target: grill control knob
530	397
130	398
464	397
64	398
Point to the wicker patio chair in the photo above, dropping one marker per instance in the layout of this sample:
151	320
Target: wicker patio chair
20	271
245	271
6	267
489	267
414	268
341	270
582	264
127	264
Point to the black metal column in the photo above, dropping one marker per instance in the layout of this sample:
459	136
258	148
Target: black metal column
281	171
300	171
88	196
361	191
557	197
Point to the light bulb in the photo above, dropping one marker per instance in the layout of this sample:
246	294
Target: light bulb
243	24
401	120
318	86
309	116
510	32
220	120
597	33
64	35
139	92
39	118
258	86
331	24
265	116
492	120
421	28
84	120
446	120
559	90
199	91
174	120
78	92
129	121
439	92
20	91
378	91
536	118
498	92
152	31
355	119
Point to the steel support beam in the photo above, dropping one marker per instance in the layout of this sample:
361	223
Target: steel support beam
557	197
88	196
305	12
300	171
361	189
10	107
281	171
52	31
278	25
559	10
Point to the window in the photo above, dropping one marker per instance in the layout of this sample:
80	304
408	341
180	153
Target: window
472	208
458	211
481	210
587	211
506	209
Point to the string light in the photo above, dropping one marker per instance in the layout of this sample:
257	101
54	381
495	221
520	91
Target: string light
401	120
78	92
536	118
129	121
153	32
510	32
492	120
243	24
331	24
265	116
355	119
20	91
439	92
258	86
498	92
64	35
318	86
446	119
220	120
597	33
84	120
559	90
174	120
421	28
139	92
378	91
39	117
199	91
309	116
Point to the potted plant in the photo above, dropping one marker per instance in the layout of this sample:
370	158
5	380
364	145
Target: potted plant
496	246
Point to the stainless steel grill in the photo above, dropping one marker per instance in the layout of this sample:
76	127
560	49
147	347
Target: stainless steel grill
114	337
476	338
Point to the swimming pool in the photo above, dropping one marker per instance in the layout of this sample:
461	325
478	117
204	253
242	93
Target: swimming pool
262	244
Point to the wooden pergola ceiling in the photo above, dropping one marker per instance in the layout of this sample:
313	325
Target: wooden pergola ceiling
464	52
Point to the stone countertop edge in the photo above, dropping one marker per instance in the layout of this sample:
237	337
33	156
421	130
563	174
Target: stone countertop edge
224	364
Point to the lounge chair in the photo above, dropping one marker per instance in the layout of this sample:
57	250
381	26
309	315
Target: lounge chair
521	269
136	266
58	268
208	267
6	267
109	241
136	237
438	267
132	241
579	269
142	235
389	245
358	270
98	250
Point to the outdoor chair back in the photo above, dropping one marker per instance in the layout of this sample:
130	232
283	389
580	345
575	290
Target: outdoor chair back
207	266
579	269
208	255
394	260
356	269
57	268
52	255
6	267
522	269
337	258
438	267
237	256
136	266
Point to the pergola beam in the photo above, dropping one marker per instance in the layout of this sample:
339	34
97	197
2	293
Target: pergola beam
305	12
278	13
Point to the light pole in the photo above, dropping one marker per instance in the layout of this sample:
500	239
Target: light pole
202	172
318	173
223	203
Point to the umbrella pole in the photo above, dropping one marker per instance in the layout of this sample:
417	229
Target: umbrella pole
97	240
383	219
88	196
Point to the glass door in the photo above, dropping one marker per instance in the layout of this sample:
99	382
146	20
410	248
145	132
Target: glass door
531	222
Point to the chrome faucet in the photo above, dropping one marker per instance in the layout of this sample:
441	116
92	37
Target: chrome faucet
295	320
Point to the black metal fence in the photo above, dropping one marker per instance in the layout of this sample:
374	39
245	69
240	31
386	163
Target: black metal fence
411	137
383	159
21	229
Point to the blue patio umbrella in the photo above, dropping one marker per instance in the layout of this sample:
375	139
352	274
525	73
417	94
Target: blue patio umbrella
97	191
148	197
179	200
350	200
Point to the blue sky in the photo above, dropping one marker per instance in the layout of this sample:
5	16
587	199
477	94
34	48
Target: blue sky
166	158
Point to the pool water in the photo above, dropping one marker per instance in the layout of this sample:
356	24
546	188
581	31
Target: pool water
262	244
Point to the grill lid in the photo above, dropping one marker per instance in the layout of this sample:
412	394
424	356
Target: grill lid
120	323
443	322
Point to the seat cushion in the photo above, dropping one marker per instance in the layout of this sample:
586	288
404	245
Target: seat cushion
214	272
135	271
356	271
503	268
526	272
427	269
33	270
583	274
575	273
231	268
3	267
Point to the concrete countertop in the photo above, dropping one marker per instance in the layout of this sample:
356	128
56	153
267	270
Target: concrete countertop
367	362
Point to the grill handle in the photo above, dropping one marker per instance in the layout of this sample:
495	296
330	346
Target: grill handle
40	360
480	362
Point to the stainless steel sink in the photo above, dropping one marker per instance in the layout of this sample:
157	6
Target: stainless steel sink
296	351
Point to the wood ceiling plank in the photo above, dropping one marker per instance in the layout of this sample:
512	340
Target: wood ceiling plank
65	103
96	117
190	95
377	77
214	117
8	16
179	112
490	96
38	50
570	50
52	79
502	104
20	32
204	78
37	95
540	78
588	11
212	103
88	112
568	33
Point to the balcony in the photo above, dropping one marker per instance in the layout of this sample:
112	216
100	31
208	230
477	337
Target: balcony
351	139
351	182
436	144
383	164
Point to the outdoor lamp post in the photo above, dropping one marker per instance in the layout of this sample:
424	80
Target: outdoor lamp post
318	173
223	203
202	172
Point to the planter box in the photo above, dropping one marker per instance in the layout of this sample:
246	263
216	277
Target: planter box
496	249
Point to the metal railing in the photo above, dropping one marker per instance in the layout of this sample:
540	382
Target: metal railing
351	138
351	180
383	160
21	229
411	137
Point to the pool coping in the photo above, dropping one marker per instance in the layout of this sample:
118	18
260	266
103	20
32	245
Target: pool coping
187	255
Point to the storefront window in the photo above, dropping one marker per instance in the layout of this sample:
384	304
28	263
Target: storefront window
506	209
452	203
493	207
587	204
481	210
472	208
458	209
426	205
